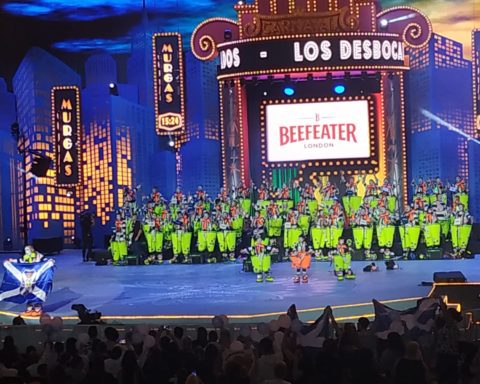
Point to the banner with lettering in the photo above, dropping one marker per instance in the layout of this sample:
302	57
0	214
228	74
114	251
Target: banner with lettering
318	131
168	83
67	135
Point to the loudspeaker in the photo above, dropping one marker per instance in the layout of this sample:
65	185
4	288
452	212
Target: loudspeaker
197	258
101	256
49	245
435	253
449	277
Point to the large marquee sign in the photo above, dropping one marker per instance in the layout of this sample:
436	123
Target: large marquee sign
318	131
310	130
299	21
168	83
67	135
361	51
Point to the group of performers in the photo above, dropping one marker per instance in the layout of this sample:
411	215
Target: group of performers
297	222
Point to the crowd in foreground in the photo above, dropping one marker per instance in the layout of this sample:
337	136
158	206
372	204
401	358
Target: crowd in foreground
351	354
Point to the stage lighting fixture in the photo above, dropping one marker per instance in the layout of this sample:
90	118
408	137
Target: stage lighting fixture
309	77
288	91
7	244
40	165
227	35
339	89
113	89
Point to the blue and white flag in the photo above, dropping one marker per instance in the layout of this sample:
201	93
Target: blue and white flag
418	319
314	335
24	282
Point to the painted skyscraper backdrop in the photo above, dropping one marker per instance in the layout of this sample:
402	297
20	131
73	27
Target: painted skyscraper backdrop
92	43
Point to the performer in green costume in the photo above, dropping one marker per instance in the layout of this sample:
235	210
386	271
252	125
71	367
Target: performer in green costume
182	238
207	237
118	241
260	252
409	231
292	232
461	230
351	200
431	229
385	232
363	231
226	237
342	257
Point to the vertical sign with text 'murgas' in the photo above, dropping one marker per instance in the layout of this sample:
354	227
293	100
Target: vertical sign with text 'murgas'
67	134
168	83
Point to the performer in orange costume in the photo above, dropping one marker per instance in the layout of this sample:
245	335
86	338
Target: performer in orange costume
301	259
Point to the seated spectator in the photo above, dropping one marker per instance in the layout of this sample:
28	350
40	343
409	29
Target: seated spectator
111	336
9	353
279	373
202	338
410	369
130	373
234	374
76	370
92	333
97	374
394	352
178	333
18	321
267	360
113	363
366	338
362	369
212	336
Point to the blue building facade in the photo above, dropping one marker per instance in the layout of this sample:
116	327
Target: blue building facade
200	157
10	161
439	82
50	210
474	150
140	73
118	146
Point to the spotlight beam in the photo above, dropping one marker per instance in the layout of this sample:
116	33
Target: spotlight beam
450	127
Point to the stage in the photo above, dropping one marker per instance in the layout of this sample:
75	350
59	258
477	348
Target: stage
191	294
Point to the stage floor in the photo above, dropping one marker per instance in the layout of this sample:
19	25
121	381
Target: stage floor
192	293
